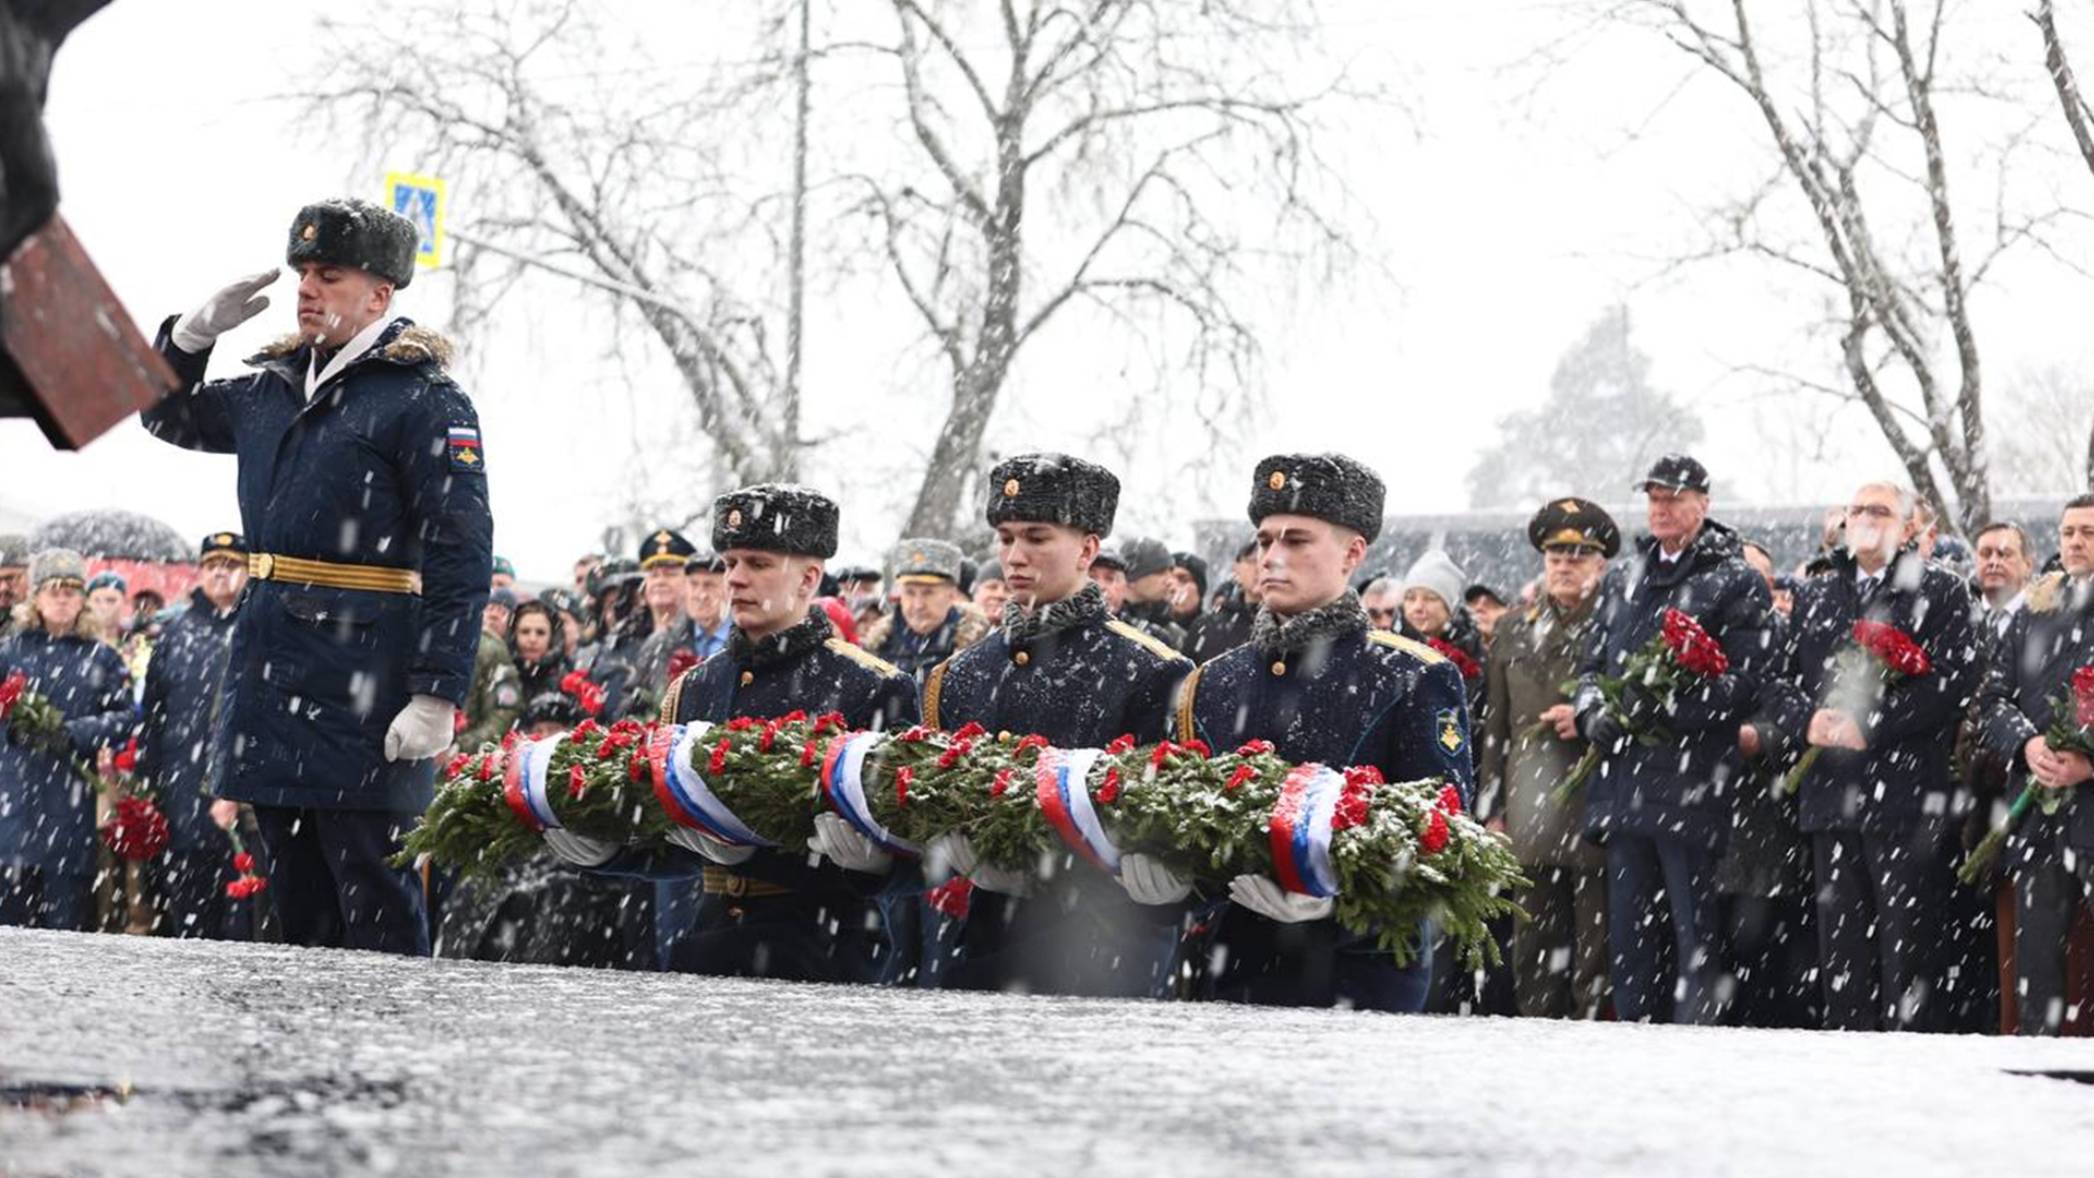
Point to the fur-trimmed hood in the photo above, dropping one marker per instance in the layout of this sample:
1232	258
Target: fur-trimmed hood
27	617
407	342
2053	591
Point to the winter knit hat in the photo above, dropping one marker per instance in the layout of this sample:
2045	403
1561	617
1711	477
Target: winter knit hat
57	565
1144	557
1437	572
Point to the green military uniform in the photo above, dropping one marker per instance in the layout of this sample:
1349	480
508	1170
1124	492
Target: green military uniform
1559	958
496	697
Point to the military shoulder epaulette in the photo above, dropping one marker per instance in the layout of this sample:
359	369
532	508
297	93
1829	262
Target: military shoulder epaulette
1153	644
933	689
1409	646
2047	594
861	656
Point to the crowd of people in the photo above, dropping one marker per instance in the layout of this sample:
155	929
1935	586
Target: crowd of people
1687	882
1739	793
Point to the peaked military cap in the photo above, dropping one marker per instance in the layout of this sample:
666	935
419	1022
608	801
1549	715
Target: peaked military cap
1053	489
1681	472
1571	520
222	544
1329	487
926	559
776	517
666	546
355	233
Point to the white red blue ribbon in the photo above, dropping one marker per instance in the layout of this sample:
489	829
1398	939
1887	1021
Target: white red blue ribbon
843	782
537	766
696	799
1061	781
1300	829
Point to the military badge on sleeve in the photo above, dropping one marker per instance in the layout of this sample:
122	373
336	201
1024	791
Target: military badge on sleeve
1449	722
466	451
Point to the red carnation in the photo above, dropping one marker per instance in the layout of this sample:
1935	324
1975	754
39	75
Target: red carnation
718	761
1196	745
1691	645
11	690
1161	753
1434	840
1244	773
1109	792
456	764
828	720
1119	744
902	777
741	724
636	769
243	862
1892	647
1253	748
953	897
681	660
486	770
577	781
807	756
914	734
1352	807
127	760
970	731
1366	775
1001	785
769	737
1030	742
137	831
2083	696
1456	655
951	756
1450	799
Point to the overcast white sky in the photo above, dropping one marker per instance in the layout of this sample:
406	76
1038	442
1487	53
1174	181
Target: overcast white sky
1523	204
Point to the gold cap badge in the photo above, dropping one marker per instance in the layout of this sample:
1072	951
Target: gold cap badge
662	537
734	518
1276	480
1010	488
309	232
1569	506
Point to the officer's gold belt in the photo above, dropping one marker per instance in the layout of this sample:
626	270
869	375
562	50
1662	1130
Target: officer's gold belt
264	566
721	882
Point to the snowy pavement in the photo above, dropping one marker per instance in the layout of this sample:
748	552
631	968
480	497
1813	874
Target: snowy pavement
121	1055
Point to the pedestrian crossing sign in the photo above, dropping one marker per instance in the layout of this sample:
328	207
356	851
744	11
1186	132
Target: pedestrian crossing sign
420	199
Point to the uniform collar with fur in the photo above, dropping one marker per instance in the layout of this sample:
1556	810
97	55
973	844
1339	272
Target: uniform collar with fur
2054	592
1085	606
1273	634
784	646
403	342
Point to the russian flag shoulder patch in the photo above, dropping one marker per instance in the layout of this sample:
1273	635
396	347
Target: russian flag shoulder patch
466	452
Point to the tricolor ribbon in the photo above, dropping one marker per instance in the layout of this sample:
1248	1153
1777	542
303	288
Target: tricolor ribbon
1300	829
683	793
513	790
1061	786
843	783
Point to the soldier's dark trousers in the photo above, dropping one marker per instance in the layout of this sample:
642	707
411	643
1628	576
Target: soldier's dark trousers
1655	884
1773	960
2047	896
1559	956
1882	903
333	886
32	898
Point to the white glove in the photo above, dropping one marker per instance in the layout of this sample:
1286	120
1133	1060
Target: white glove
1273	902
578	849
422	729
700	843
841	843
959	853
222	312
1148	881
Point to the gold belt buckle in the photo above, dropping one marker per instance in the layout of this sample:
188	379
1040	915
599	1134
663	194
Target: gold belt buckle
261	565
737	885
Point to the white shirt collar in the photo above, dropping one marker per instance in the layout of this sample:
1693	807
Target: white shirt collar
350	352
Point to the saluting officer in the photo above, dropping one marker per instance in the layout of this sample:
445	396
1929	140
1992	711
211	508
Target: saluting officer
1060	666
363	491
1322	685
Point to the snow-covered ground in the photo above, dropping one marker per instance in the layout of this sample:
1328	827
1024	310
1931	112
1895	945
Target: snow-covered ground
241	1060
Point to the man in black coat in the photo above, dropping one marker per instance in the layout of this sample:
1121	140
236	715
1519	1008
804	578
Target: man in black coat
2050	857
182	684
1663	810
363	492
1319	683
1876	803
766	911
1059	667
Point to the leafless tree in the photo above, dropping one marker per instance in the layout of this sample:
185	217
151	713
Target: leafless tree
1852	113
608	176
1149	159
2077	116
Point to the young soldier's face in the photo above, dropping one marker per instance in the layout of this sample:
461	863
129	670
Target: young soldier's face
1043	562
1305	562
2076	541
336	302
769	591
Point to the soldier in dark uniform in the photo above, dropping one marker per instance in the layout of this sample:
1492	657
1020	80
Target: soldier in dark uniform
934	620
1664	811
1559	955
665	591
767	912
363	491
1060	667
182	684
1319	683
